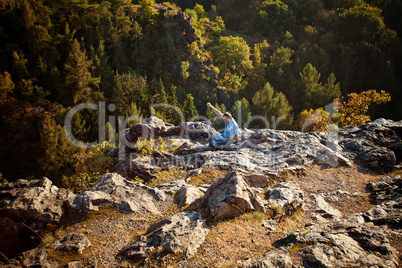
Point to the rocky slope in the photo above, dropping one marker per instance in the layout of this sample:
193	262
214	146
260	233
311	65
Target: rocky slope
276	199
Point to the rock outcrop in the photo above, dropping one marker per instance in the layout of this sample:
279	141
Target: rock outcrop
112	189
181	233
230	196
27	207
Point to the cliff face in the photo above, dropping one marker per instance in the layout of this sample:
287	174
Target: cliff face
291	198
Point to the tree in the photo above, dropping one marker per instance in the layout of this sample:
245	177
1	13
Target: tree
273	18
232	55
360	23
129	88
270	103
6	85
79	80
314	93
241	111
353	111
189	108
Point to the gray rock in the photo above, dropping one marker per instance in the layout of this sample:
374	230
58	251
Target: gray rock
257	180
25	203
36	257
385	188
75	242
230	196
321	211
275	258
286	198
270	224
341	244
171	188
113	189
188	194
182	233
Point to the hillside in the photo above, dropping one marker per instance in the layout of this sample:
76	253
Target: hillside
271	200
276	59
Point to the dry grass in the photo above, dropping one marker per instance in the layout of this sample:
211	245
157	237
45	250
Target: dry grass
228	241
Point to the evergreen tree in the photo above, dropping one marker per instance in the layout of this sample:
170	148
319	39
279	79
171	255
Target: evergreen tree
314	93
241	111
272	104
82	86
189	109
6	85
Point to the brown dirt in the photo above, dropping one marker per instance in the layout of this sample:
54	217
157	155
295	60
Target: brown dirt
228	241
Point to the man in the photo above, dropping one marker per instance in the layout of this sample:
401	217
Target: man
231	133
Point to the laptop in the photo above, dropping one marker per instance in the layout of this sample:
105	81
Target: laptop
216	136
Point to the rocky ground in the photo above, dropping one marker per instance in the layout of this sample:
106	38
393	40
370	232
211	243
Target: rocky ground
302	200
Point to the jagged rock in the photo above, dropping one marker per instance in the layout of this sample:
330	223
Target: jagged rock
389	212
36	257
75	242
341	244
370	143
230	196
170	188
188	194
133	167
257	180
397	149
270	224
286	198
385	188
181	233
113	189
320	209
193	173
25	203
272	259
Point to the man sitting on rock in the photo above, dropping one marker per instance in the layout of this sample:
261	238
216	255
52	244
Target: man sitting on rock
231	129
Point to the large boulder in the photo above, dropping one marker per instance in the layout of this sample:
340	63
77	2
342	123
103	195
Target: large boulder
113	189
230	196
371	144
387	193
37	257
27	207
344	243
182	233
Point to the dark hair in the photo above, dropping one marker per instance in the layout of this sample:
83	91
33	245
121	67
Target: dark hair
227	114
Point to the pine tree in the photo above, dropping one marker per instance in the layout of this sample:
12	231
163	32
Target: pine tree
272	104
79	80
189	110
241	111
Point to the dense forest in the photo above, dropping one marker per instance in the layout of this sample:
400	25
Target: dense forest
270	58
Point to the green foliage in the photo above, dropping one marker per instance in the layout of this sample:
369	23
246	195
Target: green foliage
270	103
148	13
272	18
232	56
241	111
56	159
361	22
6	85
314	93
189	110
83	87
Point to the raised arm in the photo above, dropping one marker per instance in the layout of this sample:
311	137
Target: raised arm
215	110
